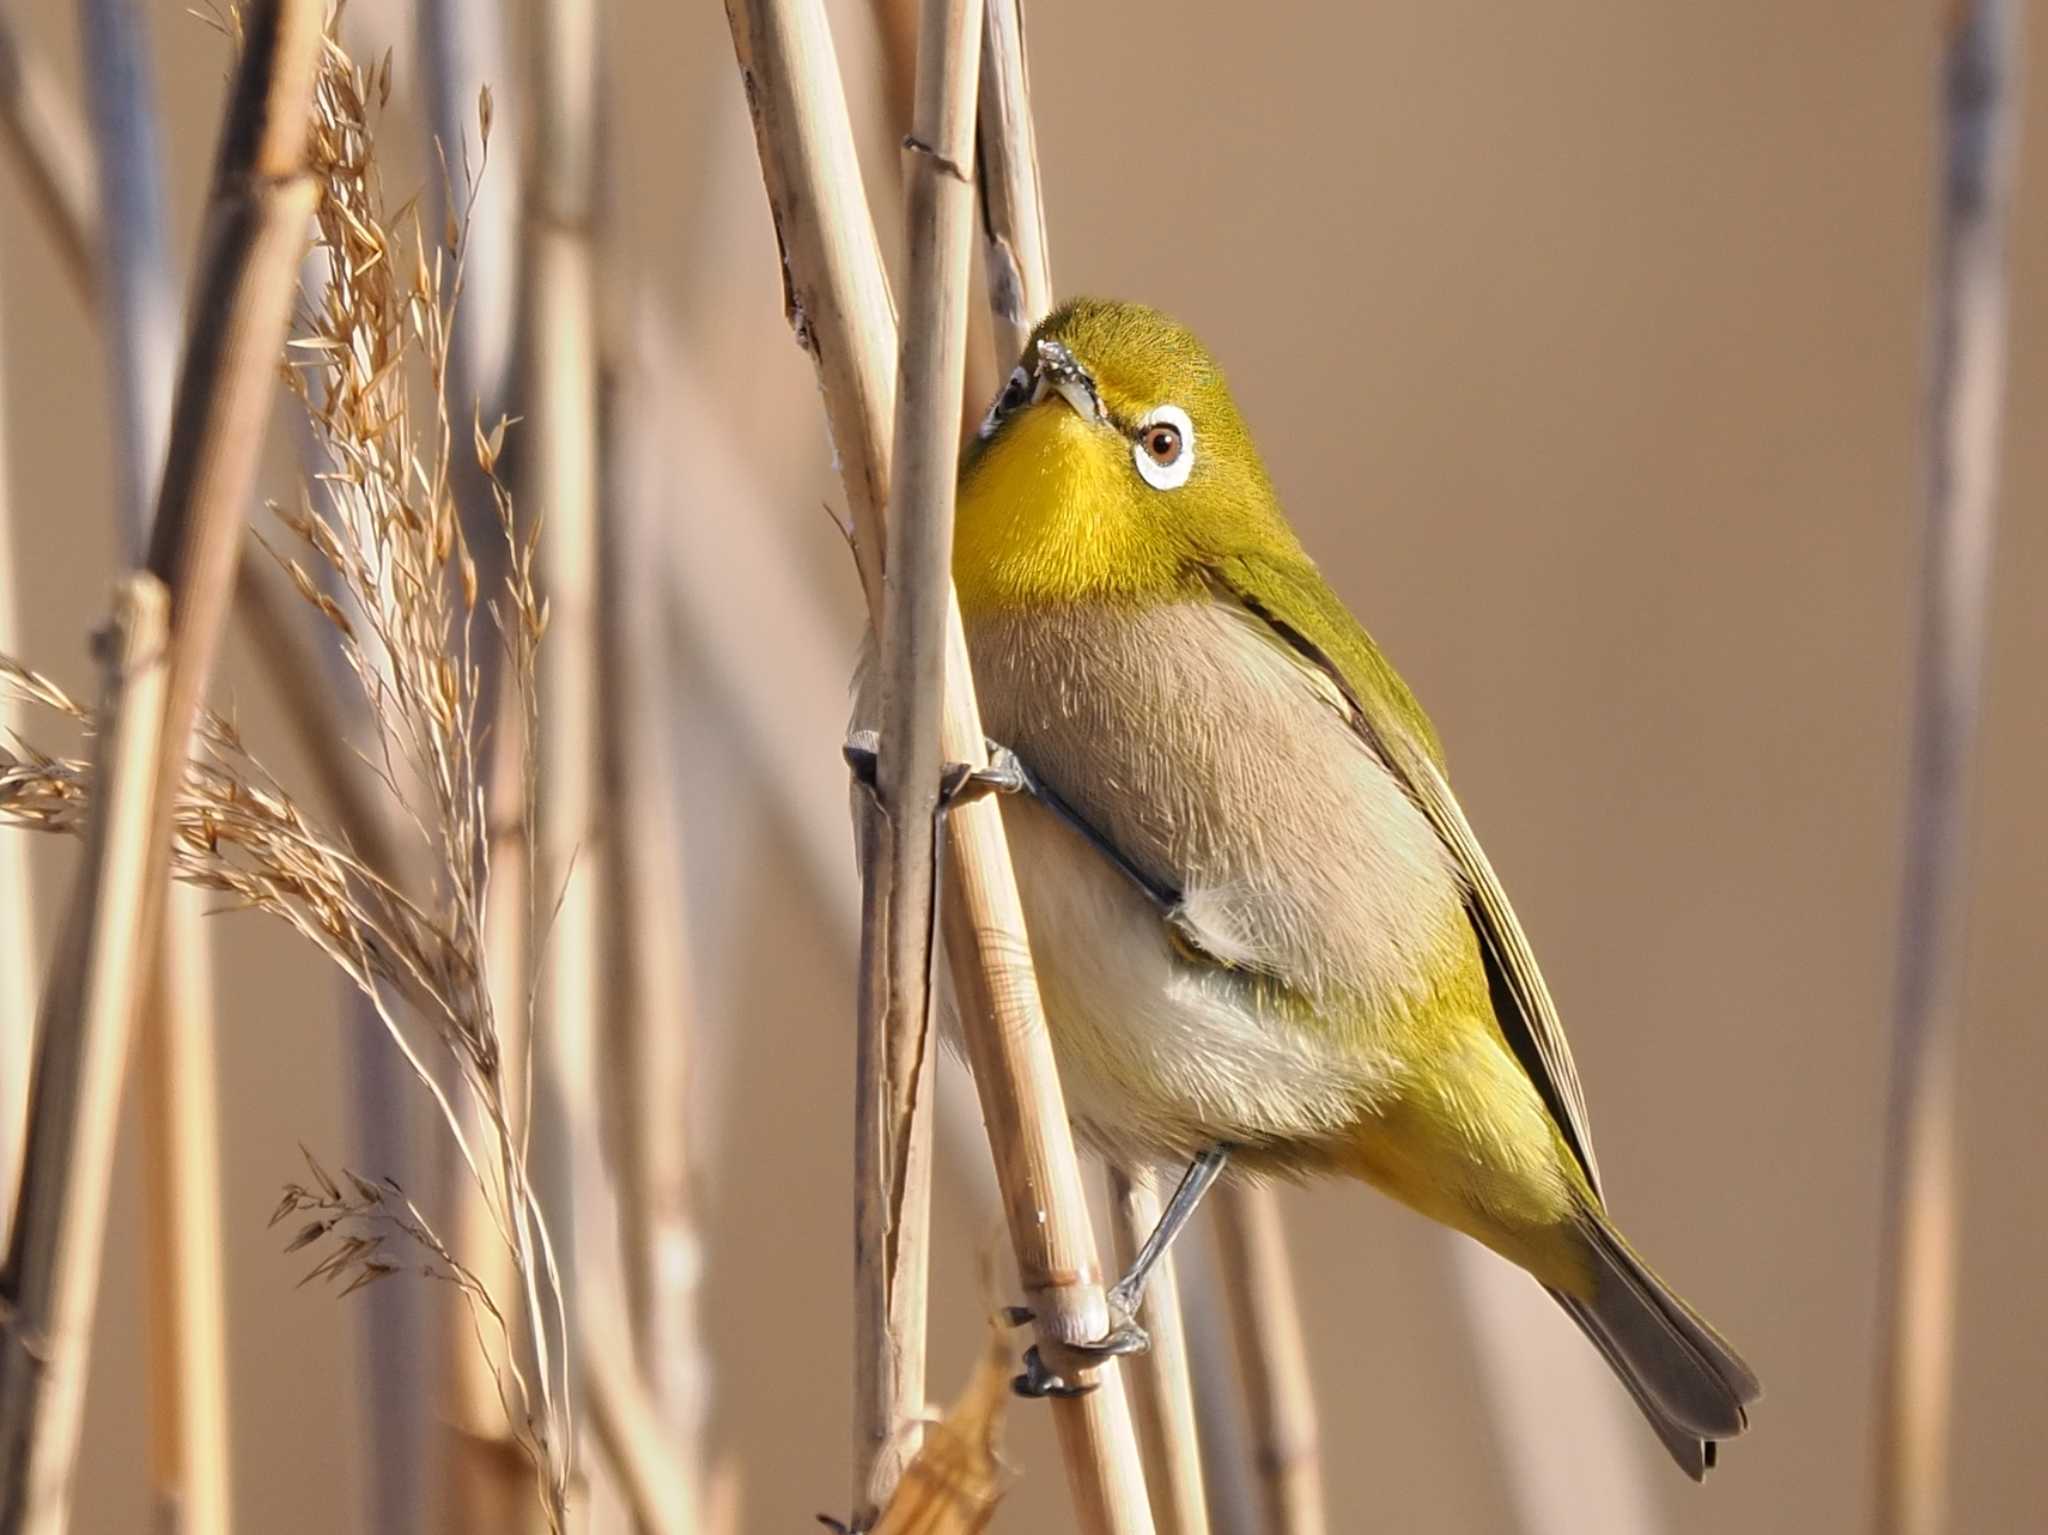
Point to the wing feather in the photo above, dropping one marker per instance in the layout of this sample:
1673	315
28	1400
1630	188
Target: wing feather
1301	612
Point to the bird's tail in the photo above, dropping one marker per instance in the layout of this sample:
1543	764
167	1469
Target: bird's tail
1689	1383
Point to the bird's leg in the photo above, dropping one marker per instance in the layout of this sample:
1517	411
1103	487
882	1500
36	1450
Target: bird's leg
1125	1336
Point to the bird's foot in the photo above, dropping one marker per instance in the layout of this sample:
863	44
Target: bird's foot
1125	1336
960	783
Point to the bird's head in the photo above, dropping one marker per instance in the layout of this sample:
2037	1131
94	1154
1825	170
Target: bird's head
1112	461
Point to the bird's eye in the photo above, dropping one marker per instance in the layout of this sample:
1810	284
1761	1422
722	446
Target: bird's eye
1163	447
1014	396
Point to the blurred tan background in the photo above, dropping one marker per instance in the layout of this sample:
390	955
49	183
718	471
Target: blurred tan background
1584	344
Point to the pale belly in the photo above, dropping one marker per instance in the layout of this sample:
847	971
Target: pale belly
1160	1057
1205	755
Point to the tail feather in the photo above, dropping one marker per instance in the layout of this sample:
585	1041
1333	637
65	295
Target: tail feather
1695	1456
1689	1383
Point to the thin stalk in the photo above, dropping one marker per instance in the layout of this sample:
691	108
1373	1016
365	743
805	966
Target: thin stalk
895	1240
896	25
1258	1285
838	303
17	911
180	1107
1014	246
652	1004
51	1280
260	204
490	1482
562	488
1162	1392
1966	387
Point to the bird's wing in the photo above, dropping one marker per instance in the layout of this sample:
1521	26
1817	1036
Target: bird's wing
1290	598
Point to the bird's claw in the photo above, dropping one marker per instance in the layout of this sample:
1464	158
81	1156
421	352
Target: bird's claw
960	783
1038	1382
1125	1336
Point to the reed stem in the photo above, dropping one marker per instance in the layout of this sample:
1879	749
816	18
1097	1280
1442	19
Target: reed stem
1965	399
50	1283
1162	1389
838	304
1258	1286
17	908
180	1106
260	204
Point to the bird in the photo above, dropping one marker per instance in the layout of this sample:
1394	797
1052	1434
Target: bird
1267	940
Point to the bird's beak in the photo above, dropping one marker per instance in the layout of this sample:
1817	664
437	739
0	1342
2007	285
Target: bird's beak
1060	372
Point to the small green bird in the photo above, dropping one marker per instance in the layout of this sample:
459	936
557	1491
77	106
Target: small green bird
1263	928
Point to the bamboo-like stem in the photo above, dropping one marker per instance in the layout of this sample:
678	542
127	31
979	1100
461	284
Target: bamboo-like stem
51	1280
1272	1357
17	924
563	488
1916	1301
260	204
896	24
180	1107
835	292
1014	246
838	303
895	1129
1162	1391
50	146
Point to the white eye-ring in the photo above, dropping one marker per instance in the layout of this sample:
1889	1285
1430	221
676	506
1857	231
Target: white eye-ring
1163	447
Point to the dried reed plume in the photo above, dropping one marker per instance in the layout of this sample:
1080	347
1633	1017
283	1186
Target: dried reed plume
370	365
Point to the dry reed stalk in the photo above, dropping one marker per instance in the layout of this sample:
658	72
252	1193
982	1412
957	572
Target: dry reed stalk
260	202
896	1124
1162	1390
1967	363
1272	1357
896	24
489	1483
652	1000
49	139
50	146
186	1289
51	1280
839	307
387	528
1014	246
17	913
562	486
835	292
